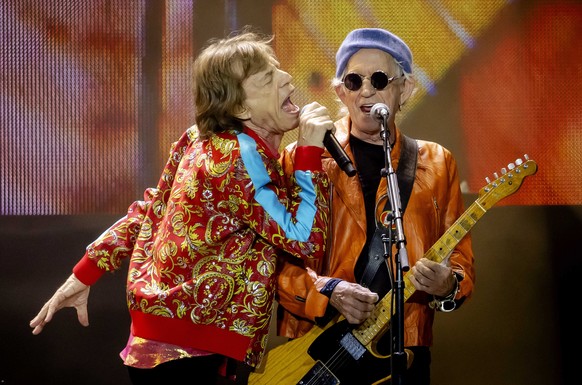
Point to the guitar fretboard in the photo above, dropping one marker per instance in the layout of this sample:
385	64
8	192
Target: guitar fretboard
383	312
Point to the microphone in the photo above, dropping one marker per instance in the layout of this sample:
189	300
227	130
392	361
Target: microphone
337	152
380	111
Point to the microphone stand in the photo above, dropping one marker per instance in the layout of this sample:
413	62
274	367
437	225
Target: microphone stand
398	357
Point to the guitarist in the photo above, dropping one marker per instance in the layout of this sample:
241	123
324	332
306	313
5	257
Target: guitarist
375	66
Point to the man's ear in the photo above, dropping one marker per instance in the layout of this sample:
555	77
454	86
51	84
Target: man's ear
243	113
341	93
409	85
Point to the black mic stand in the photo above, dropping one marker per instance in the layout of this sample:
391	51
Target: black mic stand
398	357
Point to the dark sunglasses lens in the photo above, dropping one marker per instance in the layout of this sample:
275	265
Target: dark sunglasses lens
379	80
353	82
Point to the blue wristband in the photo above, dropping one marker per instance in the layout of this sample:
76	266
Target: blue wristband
329	286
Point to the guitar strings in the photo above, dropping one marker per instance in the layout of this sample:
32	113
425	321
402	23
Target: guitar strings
337	360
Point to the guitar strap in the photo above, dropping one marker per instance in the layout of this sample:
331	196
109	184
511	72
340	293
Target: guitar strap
405	176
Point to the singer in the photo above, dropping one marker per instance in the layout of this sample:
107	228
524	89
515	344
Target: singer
203	246
374	79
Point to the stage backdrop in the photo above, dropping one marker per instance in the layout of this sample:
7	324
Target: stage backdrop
497	79
94	92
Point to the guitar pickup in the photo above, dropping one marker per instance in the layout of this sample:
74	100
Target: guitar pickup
352	346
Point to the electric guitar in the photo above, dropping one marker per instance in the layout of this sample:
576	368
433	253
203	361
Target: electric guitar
346	354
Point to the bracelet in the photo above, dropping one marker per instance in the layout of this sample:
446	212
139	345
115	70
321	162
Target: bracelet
447	304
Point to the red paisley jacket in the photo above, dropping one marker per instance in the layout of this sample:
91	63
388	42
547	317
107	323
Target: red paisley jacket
203	245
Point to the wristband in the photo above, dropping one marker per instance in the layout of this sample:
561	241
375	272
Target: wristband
329	286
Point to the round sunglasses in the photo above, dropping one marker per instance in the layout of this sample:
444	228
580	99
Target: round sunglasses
353	81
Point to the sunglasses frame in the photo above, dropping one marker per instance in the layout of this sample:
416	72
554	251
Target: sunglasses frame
371	77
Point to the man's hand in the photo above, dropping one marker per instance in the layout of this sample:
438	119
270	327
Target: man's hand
432	277
314	122
73	293
353	301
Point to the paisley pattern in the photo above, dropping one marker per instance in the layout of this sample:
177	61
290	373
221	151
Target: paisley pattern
204	248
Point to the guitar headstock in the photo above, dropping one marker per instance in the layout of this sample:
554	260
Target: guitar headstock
509	182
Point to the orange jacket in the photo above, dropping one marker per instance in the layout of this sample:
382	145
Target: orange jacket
435	204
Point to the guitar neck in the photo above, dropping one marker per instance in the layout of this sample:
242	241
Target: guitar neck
383	312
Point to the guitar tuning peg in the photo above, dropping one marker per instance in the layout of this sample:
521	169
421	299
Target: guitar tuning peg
487	180
526	156
511	166
503	171
518	161
496	175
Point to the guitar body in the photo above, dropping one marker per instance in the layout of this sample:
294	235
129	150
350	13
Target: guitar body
286	363
342	359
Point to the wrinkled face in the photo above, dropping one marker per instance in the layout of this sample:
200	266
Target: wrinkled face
366	62
268	104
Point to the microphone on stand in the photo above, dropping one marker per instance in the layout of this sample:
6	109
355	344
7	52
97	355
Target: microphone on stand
380	111
337	152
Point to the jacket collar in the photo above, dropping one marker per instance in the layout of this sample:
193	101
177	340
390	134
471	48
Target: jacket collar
348	189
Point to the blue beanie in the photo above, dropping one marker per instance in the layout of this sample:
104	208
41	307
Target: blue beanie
372	38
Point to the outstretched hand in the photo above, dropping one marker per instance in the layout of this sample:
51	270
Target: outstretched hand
353	301
72	293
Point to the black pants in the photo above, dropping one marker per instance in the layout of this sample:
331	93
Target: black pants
192	371
419	371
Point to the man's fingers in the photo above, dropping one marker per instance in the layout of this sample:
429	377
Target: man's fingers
36	320
40	320
355	302
365	295
356	315
83	315
416	283
37	329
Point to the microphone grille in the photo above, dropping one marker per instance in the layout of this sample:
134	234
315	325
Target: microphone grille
379	110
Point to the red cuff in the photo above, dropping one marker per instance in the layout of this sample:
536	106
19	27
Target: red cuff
308	158
87	271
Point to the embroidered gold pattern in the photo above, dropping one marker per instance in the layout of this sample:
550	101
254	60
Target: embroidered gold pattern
195	253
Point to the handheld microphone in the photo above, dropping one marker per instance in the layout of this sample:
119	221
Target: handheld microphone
380	111
337	152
